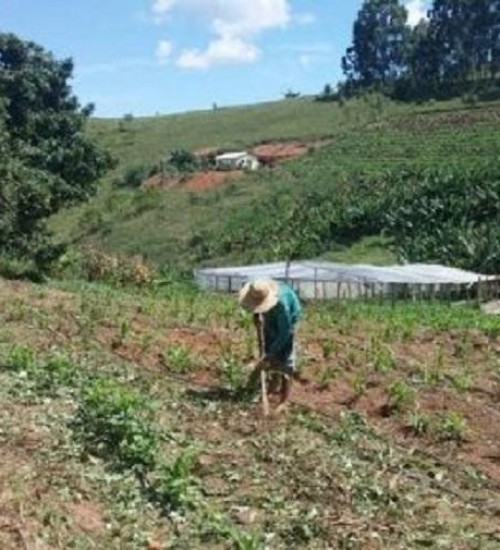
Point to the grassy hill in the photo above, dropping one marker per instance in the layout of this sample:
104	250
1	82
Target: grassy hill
148	139
365	137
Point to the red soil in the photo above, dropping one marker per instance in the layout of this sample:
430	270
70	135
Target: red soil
272	153
203	181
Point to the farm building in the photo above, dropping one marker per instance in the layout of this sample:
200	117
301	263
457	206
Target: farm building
333	281
237	161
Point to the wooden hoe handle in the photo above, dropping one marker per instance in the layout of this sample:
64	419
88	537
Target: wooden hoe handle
263	374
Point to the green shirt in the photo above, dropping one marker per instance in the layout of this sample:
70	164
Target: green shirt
280	322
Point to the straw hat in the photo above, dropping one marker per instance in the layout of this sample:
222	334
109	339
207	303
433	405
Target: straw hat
259	296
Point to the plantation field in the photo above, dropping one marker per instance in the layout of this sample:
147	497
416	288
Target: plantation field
366	138
122	425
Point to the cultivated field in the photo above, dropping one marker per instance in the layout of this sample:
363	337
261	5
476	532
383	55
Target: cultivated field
122	425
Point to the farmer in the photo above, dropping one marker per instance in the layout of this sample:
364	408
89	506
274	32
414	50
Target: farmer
276	310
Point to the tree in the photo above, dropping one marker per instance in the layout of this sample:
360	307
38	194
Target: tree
376	56
46	160
468	34
422	55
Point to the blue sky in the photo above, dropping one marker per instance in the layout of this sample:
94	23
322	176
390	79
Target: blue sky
162	56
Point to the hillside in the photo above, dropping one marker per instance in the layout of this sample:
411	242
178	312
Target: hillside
148	139
365	137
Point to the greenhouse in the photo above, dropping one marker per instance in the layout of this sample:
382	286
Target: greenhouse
329	281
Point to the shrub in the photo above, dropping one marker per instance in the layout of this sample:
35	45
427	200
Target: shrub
18	268
183	160
113	423
133	176
92	264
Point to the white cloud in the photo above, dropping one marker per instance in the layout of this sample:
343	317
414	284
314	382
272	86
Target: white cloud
164	51
417	11
235	25
221	51
235	16
160	9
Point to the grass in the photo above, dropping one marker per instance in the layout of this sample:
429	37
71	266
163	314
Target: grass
146	140
105	446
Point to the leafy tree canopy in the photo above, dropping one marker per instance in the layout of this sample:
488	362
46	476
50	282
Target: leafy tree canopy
376	55
46	160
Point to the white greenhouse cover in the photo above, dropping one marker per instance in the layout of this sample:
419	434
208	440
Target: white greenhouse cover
335	272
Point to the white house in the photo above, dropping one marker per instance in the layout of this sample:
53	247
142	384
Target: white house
237	161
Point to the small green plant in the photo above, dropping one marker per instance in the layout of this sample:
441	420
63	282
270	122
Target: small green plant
56	371
249	345
352	427
239	538
177	488
462	382
146	341
326	375
439	360
178	358
123	332
113	423
380	355
419	423
432	377
452	426
231	373
463	346
19	358
359	384
243	320
305	527
328	347
352	357
400	396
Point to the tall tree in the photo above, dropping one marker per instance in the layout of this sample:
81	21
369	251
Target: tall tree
467	32
46	160
377	54
422	59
